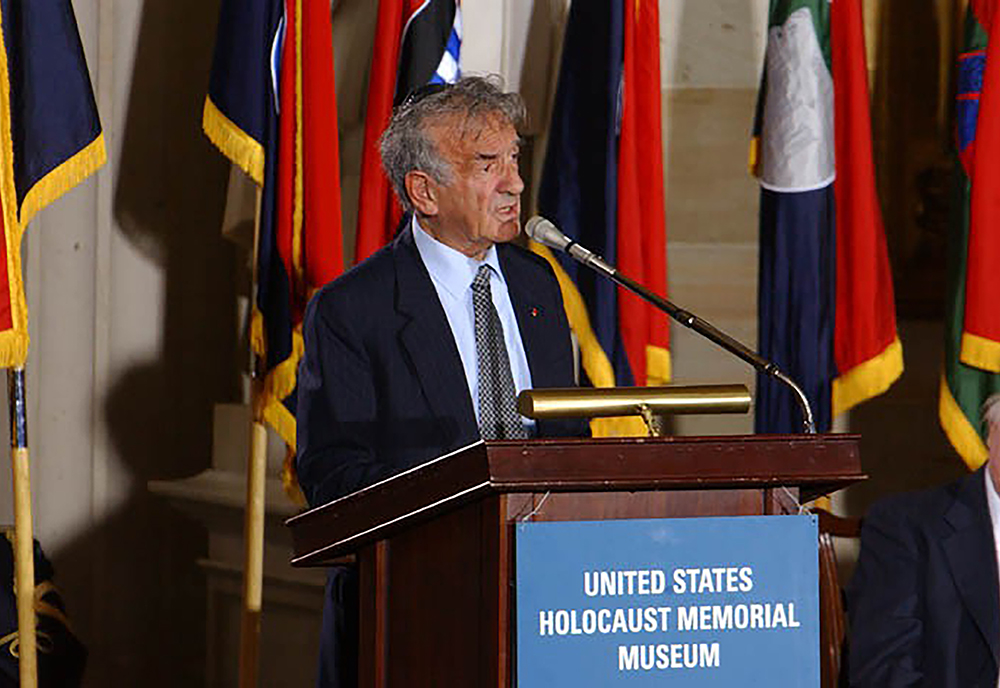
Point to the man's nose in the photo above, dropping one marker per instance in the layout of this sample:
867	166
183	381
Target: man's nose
511	182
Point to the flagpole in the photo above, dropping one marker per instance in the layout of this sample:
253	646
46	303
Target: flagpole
24	556
253	548
253	524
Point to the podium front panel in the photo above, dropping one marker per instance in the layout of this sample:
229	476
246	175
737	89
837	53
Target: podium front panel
686	602
447	583
435	545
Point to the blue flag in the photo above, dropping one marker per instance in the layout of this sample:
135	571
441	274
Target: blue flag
50	138
579	188
602	185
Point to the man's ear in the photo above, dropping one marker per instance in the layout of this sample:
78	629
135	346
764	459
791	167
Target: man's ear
422	192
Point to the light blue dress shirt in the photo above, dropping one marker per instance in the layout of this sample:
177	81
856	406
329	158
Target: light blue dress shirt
452	273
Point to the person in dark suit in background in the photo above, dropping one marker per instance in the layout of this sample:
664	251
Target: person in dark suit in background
924	603
397	369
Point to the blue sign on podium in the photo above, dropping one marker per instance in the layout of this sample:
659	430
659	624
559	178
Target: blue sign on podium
679	602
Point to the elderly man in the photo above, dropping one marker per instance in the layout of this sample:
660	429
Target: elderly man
924	602
421	349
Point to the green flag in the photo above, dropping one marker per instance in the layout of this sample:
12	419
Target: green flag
965	387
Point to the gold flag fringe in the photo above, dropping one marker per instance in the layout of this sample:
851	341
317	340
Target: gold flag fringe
593	358
64	177
980	352
961	433
868	379
241	148
13	342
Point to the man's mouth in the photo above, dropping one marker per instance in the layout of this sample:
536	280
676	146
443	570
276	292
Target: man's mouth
509	211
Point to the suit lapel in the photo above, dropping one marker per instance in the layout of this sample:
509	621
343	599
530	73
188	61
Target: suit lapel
426	337
972	559
533	321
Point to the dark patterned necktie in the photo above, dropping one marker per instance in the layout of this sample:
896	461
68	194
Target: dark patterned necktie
498	416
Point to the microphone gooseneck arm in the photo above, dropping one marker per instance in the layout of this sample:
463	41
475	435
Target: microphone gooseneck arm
545	233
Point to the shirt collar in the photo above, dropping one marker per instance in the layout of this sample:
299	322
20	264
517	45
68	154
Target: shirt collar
992	499
452	269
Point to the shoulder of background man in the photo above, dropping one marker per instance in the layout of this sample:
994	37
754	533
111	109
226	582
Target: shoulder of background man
932	504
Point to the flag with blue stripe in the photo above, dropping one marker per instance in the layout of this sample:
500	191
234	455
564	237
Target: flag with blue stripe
448	70
826	314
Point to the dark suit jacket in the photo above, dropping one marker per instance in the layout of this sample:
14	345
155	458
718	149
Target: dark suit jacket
923	601
381	384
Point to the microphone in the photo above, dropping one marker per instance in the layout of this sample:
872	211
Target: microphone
547	234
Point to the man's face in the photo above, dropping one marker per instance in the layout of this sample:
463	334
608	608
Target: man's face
480	204
993	443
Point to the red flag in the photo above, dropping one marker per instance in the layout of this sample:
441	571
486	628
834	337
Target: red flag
307	218
416	42
320	251
980	344
378	212
867	352
642	232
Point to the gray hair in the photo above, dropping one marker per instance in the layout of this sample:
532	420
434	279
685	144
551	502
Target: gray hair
991	410
405	146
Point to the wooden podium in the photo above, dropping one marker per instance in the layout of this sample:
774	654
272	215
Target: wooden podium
434	545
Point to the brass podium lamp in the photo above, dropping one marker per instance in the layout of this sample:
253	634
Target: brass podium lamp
652	403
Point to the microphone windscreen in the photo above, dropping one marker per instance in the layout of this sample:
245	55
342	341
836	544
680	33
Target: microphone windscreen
546	233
